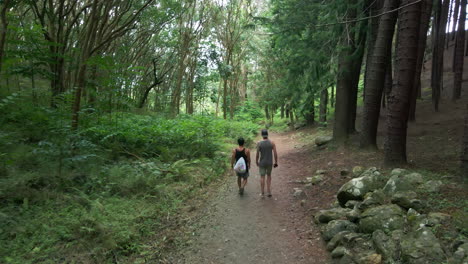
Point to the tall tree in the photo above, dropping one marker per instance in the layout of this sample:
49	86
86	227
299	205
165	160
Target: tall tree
439	25
191	26
409	20
229	32
426	7
459	51
4	7
375	10
106	22
464	149
455	17
349	65
323	106
381	54
59	19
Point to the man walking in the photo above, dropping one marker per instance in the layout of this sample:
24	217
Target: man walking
265	151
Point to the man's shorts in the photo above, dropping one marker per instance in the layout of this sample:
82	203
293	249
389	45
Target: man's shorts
265	170
244	175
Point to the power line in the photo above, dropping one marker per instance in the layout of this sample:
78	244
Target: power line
365	18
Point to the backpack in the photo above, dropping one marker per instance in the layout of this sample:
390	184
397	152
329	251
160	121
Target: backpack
241	166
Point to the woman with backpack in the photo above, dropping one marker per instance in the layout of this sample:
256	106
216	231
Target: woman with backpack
237	154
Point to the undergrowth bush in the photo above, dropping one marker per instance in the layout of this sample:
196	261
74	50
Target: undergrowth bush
249	111
98	192
182	138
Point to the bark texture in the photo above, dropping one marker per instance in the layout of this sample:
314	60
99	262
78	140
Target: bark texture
375	78
455	16
464	150
440	22
399	98
4	7
426	8
458	58
323	106
375	8
349	68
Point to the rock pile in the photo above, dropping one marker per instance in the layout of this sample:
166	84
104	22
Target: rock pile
378	219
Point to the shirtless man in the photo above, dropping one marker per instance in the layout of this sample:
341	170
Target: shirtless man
265	151
237	153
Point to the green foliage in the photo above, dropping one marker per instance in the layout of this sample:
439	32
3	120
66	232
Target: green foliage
186	137
101	191
280	125
249	111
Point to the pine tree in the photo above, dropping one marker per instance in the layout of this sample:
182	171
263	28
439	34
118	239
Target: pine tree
459	51
376	76
399	98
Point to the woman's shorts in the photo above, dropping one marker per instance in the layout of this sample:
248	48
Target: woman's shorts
244	175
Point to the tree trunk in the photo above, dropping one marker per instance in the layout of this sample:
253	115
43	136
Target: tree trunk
291	118
376	76
375	8
343	92
145	96
388	78
218	94
440	22
323	106
310	114
332	98
356	72
3	28
458	57
464	150
426	8
282	111
384	101
345	80
88	44
190	87
455	17
405	68
225	96
175	104
447	25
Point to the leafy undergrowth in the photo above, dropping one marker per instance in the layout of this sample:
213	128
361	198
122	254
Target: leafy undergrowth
452	199
98	194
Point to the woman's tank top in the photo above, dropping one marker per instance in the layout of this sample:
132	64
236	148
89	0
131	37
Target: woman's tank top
241	153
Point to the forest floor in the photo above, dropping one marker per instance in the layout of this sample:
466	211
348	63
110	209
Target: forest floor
252	229
229	228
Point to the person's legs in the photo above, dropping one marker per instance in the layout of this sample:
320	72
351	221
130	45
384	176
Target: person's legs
269	184
262	179
239	178
244	182
262	184
267	171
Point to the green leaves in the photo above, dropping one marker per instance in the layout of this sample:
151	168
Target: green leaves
187	137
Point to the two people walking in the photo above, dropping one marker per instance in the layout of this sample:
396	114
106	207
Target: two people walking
266	151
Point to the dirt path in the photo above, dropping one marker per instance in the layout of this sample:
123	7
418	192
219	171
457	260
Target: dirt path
251	229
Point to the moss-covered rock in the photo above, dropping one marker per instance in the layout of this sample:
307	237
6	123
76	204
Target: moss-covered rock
357	188
422	247
384	217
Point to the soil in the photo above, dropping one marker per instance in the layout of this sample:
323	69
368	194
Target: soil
252	229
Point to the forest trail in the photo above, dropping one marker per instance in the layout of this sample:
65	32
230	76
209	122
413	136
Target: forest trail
251	229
